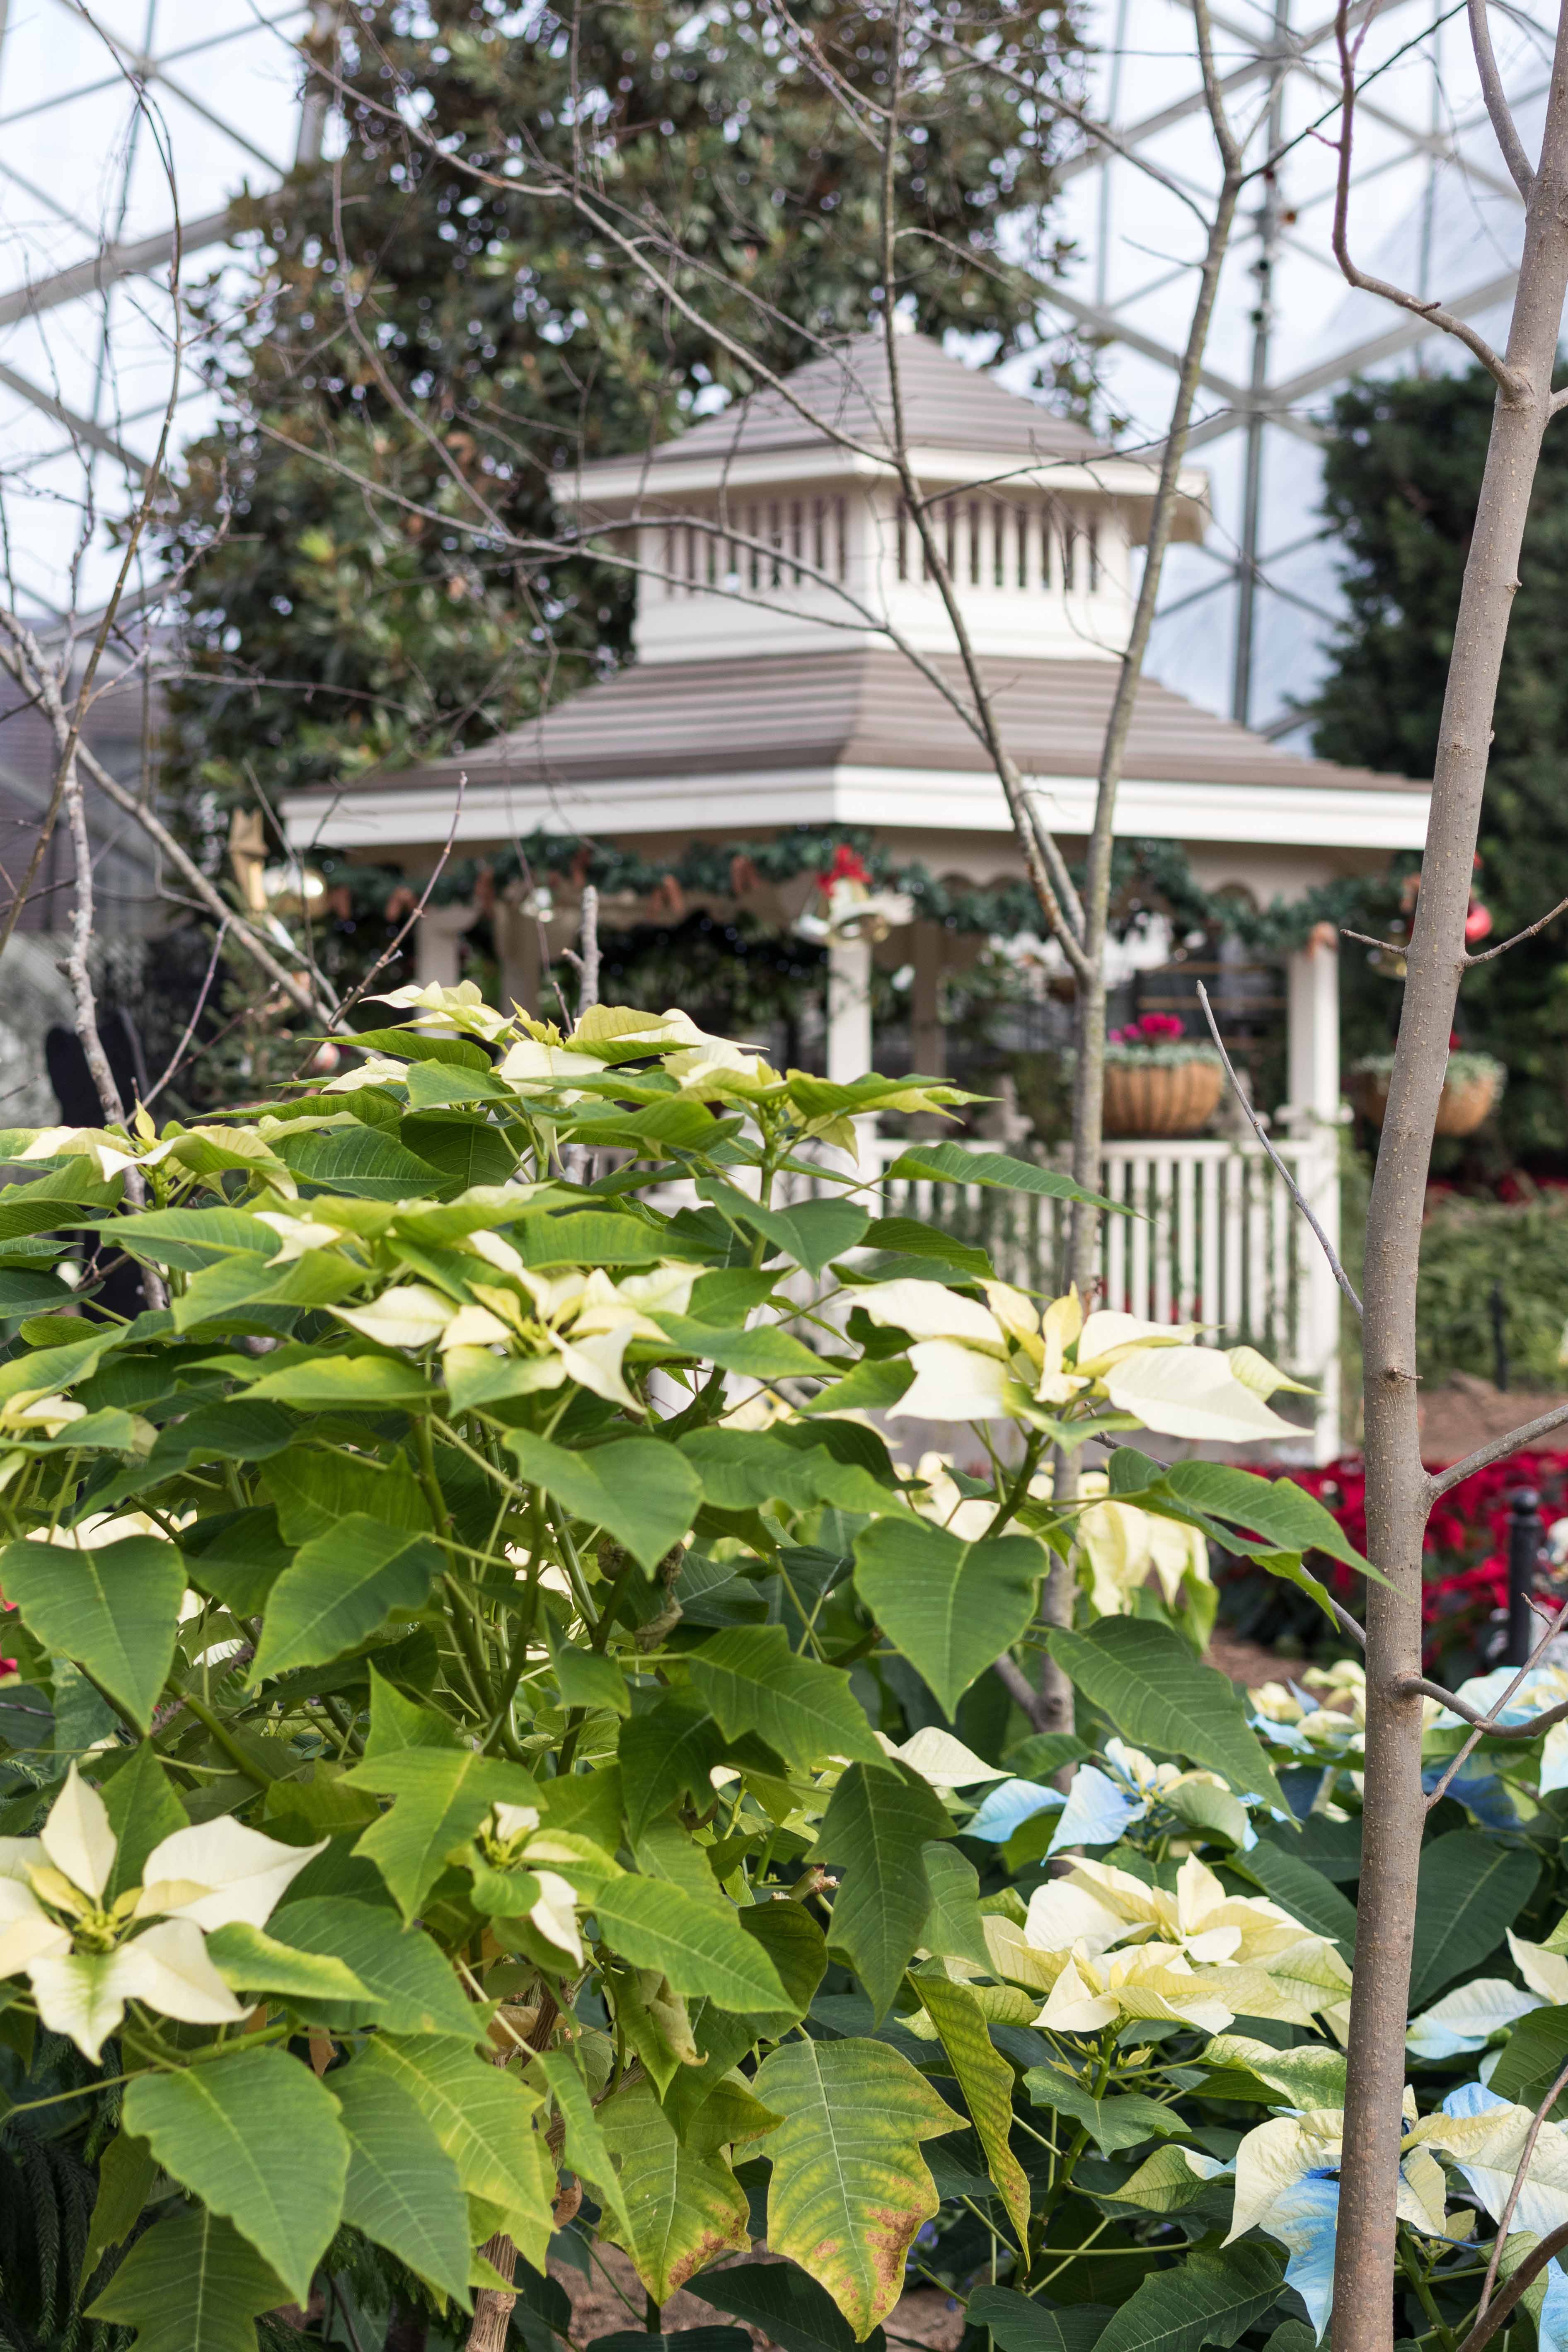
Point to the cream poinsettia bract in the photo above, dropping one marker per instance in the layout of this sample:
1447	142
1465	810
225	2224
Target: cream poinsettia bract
85	1956
510	1841
574	1324
1322	1716
1199	1956
1006	1359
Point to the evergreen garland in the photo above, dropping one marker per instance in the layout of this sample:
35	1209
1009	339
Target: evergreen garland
1149	878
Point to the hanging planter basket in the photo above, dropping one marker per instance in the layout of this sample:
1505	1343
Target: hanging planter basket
1148	1094
1471	1091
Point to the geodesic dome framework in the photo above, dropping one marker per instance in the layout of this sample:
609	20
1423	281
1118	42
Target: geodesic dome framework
89	205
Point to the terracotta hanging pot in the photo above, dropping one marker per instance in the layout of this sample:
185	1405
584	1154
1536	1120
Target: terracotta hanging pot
1471	1091
1161	1097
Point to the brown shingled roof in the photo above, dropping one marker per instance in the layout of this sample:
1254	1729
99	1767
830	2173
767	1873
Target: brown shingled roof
946	406
868	707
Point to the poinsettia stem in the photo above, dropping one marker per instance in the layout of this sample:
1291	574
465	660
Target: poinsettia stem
1423	2291
1019	1487
465	1626
513	1675
425	1453
213	1727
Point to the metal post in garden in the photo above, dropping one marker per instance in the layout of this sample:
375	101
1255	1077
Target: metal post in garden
1524	1539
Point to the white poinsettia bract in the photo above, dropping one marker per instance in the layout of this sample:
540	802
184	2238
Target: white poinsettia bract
86	1954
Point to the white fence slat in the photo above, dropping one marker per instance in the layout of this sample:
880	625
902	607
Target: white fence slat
1163	1209
1231	1240
1186	1215
1257	1253
1138	1288
1280	1287
1214	1239
1209	1306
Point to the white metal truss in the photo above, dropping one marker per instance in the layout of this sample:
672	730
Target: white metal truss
89	221
1245	619
87	234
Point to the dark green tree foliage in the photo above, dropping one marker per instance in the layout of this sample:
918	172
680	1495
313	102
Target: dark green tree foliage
329	629
1401	481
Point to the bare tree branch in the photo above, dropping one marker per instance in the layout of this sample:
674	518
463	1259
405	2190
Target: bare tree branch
1502	948
1022	1691
352	998
1399	1491
1088	1068
1341	1276
1445	320
1506	2216
637	249
152	483
178	1056
13	657
1523	2279
1439	1482
1510	145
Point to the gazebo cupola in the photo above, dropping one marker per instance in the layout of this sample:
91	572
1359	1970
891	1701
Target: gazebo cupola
780	524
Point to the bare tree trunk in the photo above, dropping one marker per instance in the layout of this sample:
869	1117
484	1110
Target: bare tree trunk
75	964
76	969
492	2309
1398	1494
588	936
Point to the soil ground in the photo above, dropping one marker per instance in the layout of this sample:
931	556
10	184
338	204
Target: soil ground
926	2317
1466	1413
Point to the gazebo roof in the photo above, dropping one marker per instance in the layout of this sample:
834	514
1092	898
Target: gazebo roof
946	405
755	705
860	736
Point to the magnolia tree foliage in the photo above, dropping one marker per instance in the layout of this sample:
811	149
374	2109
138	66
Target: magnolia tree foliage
503	1745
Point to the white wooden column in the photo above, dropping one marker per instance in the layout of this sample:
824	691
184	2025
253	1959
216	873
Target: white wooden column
438	945
1312	1118
849	1010
849	1030
517	951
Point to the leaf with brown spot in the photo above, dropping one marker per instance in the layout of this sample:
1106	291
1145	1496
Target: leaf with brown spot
985	2080
850	2187
684	2210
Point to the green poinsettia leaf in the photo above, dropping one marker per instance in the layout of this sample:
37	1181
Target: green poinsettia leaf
877	1821
642	1491
402	2187
114	1608
485	2120
256	2137
682	2209
751	1680
951	1607
1145	1678
850	2187
191	2284
441	1796
339	1588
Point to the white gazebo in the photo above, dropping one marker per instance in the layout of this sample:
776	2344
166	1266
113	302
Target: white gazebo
789	653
